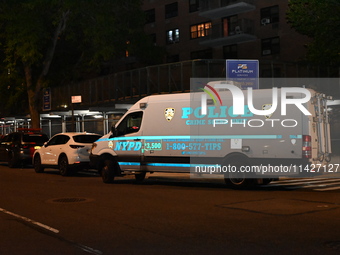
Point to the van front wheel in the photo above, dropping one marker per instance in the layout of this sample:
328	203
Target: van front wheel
107	171
140	176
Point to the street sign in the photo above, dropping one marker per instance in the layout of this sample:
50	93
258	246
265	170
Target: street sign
76	99
47	99
244	73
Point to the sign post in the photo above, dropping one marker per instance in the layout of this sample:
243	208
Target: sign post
74	100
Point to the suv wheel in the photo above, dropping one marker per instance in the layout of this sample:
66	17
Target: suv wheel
37	164
64	167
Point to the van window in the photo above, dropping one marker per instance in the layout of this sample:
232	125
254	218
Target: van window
130	124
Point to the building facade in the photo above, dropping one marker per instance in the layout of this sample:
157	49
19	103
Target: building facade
224	29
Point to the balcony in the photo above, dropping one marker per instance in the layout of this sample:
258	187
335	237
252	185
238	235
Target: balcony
215	9
238	32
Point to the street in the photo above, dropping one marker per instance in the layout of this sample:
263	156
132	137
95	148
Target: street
166	214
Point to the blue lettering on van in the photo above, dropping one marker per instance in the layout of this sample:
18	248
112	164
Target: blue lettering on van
128	146
214	112
194	146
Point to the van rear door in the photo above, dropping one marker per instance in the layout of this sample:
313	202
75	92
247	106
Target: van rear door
322	127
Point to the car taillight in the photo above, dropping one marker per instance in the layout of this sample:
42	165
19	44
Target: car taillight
32	151
306	146
76	146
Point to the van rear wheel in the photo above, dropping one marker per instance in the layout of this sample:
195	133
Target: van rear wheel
238	182
235	178
108	172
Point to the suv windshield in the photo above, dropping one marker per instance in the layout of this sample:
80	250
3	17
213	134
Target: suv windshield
35	138
86	138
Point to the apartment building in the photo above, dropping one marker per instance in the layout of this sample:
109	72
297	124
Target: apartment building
223	29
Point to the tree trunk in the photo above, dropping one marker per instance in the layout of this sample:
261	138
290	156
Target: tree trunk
34	109
33	90
33	98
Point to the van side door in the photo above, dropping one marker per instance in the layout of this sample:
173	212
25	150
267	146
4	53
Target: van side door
128	143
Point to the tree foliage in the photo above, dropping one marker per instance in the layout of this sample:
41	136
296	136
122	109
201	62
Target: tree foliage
320	20
43	42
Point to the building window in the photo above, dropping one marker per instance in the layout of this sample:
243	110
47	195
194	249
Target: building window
270	46
230	52
193	5
269	15
202	54
150	16
200	30
231	25
127	53
153	39
171	10
172	36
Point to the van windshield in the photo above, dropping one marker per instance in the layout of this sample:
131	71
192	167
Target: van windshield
130	124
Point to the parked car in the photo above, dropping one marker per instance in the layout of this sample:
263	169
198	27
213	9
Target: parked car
17	148
67	152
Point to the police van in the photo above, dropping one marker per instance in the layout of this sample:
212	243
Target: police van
247	136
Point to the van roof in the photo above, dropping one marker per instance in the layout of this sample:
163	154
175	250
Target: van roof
176	97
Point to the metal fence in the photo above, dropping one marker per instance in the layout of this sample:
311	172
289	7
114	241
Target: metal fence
129	86
170	78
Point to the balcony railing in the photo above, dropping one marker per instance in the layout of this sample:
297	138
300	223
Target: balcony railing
238	32
215	9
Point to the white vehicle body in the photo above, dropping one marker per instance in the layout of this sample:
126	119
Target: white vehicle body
169	133
65	151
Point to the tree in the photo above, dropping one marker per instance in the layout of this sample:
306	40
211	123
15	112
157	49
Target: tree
42	41
320	20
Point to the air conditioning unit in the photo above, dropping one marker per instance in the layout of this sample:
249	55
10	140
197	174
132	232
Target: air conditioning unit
266	52
238	30
265	21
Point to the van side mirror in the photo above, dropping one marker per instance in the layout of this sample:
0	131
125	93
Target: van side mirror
114	132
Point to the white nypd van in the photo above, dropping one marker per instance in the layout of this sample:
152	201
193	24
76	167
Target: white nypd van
248	136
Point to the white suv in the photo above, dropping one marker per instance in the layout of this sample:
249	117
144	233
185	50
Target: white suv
66	151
